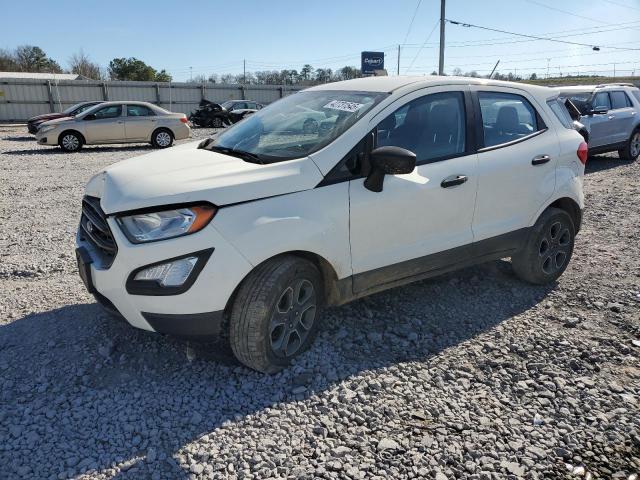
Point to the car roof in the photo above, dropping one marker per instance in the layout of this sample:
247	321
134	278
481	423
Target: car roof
593	88
389	84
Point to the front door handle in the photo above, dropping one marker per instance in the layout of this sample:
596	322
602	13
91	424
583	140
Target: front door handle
540	160
120	121
453	180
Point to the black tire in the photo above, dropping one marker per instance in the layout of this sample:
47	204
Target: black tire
266	329
217	122
70	141
548	249
162	138
632	150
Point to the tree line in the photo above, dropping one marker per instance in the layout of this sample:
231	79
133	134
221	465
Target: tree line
30	58
33	59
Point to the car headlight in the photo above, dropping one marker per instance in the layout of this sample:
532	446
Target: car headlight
161	225
46	128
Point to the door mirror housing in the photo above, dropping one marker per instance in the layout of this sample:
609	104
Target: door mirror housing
91	116
599	111
388	160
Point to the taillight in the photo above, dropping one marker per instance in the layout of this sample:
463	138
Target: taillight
184	119
583	152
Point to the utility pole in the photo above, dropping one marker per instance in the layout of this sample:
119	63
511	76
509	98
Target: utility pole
494	69
614	70
244	71
191	74
441	64
398	59
548	60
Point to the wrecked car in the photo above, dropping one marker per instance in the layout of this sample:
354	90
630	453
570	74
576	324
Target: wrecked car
211	114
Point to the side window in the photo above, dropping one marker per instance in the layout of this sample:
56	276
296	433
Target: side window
239	106
619	99
139	111
433	127
112	111
560	110
506	117
601	101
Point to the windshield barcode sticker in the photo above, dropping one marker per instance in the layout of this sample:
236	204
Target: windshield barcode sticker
343	105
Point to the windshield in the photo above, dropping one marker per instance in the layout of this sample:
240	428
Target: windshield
227	105
582	100
72	110
297	125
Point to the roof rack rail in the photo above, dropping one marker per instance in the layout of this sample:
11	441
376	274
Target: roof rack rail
616	84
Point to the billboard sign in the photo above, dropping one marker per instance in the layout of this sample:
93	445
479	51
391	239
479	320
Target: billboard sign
372	61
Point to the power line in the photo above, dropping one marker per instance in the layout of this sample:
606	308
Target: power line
534	37
411	22
622	5
599	21
425	42
555	34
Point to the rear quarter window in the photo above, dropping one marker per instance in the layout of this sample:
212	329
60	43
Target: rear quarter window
561	112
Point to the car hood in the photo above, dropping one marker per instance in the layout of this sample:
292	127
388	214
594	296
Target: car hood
56	121
46	116
187	174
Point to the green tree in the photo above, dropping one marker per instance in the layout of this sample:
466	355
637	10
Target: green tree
163	76
306	72
133	69
30	58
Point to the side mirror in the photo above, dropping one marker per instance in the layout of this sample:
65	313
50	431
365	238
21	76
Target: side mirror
91	116
388	161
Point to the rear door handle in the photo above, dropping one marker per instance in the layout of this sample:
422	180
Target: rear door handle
120	121
453	181
540	160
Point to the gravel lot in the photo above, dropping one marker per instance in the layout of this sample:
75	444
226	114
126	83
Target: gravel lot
471	375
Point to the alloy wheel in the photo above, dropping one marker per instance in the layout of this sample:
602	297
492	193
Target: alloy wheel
163	139
70	142
554	248
293	318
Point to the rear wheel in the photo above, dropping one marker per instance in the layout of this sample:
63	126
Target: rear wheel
632	150
275	315
548	249
70	141
162	138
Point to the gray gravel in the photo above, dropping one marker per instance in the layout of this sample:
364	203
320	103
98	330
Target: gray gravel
471	375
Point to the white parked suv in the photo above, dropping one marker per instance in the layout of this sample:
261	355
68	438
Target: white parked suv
250	234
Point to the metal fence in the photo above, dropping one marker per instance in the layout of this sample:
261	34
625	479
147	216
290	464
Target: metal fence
21	99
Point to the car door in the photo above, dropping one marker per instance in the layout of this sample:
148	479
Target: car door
139	122
517	165
420	221
621	116
600	127
105	125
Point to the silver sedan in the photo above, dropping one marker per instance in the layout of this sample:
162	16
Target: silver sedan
116	122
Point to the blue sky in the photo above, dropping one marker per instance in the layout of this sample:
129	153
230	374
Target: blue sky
215	36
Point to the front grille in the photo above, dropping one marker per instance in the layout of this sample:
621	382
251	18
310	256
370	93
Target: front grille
95	230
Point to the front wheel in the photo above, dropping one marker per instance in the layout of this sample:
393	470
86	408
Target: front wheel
632	150
216	122
70	142
276	312
162	138
548	249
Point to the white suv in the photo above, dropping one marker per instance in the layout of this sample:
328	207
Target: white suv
394	179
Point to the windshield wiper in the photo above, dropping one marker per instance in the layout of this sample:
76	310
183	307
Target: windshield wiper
248	156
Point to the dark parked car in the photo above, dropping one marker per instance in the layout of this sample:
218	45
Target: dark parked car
210	114
34	122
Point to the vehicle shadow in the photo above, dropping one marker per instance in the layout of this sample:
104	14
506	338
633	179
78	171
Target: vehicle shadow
94	148
600	163
90	392
24	138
